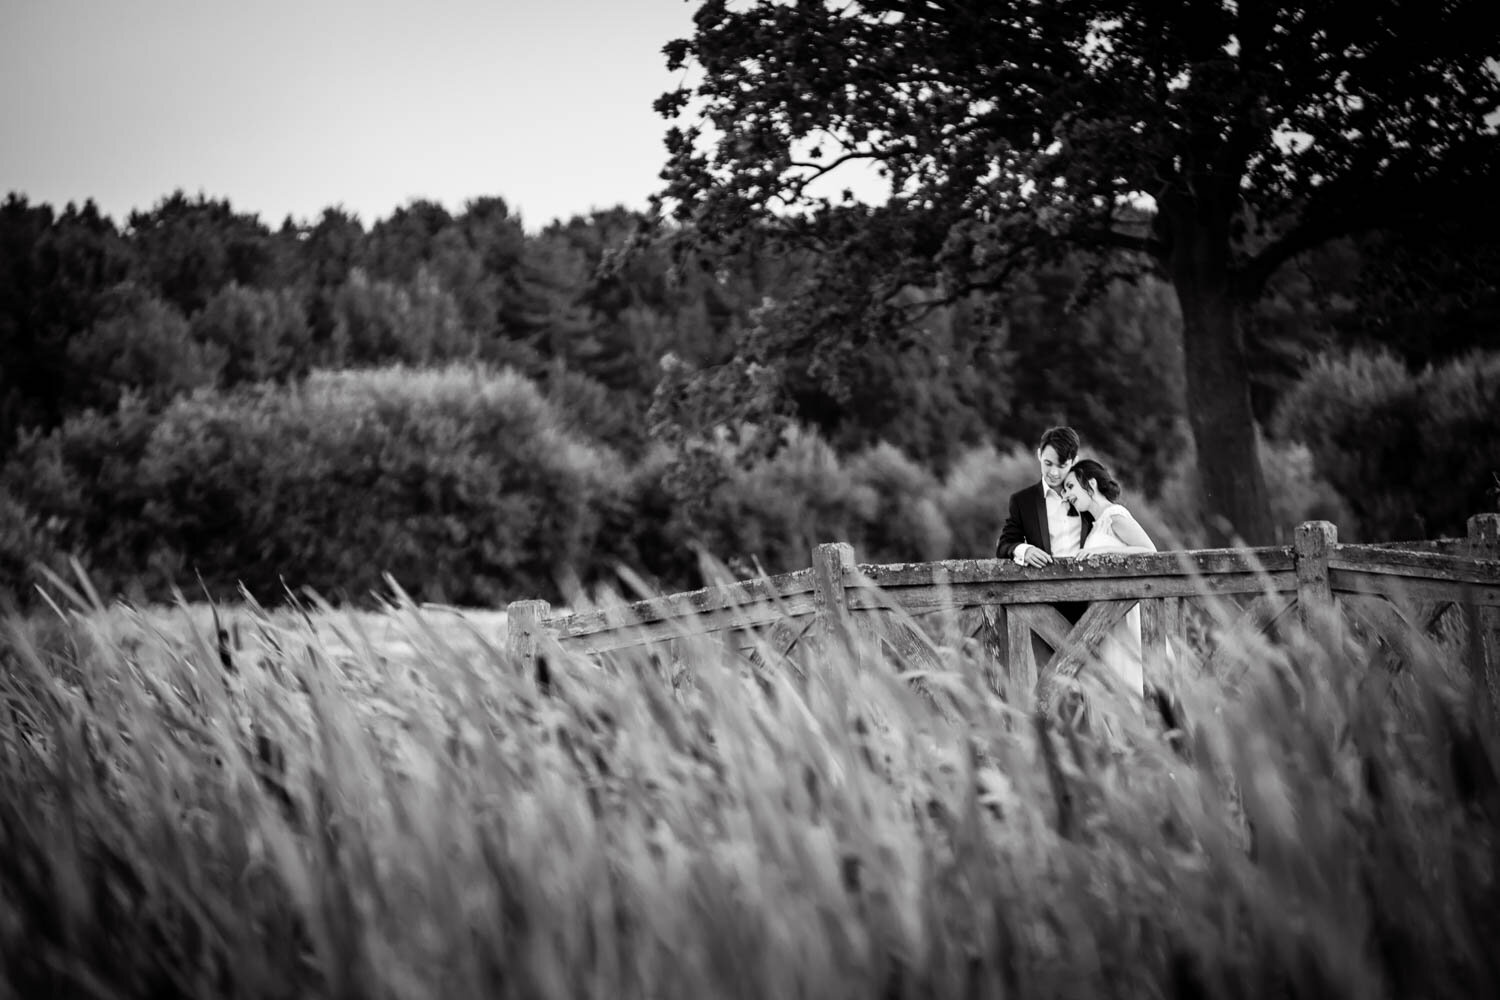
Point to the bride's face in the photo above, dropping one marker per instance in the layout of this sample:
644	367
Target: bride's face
1076	495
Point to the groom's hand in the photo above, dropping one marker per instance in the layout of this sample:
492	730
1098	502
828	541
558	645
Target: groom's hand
1035	556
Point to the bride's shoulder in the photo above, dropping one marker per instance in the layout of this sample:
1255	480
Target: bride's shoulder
1113	511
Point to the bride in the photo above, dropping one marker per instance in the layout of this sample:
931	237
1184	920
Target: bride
1092	490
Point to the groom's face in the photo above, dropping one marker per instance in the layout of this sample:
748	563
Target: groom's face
1053	468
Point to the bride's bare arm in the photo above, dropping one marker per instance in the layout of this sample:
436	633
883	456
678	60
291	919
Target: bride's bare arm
1129	531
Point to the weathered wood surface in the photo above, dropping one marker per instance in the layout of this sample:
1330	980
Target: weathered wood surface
526	628
1314	541
1413	588
1000	605
833	565
1082	642
1081	584
1161	626
1196	562
746	595
724	620
1430	566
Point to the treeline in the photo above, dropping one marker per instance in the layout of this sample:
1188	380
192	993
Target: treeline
488	413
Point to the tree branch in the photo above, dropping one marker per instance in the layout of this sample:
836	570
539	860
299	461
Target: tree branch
1113	239
1250	279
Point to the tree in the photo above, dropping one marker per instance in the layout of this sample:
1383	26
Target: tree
191	248
1209	141
57	274
139	345
262	334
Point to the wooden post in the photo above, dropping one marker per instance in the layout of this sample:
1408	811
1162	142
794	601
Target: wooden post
833	564
1161	630
994	638
1484	543
523	623
1314	540
1020	661
1484	536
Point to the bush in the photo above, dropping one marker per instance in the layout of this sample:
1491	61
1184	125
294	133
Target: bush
82	484
459	482
1295	486
23	546
139	345
975	496
1413	454
779	509
905	522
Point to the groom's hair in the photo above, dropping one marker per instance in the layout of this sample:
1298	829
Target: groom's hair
1064	441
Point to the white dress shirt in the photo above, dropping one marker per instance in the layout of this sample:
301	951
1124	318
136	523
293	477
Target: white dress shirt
1066	532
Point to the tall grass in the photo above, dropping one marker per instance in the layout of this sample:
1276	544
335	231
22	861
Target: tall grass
388	806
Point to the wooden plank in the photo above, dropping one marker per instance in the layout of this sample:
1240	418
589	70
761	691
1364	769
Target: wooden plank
958	572
970	623
1047	622
1385	622
1020	662
919	599
750	616
1161	628
1082	643
770	591
989	633
660	631
1259	615
1412	589
946	626
1442	546
1423	565
1483	655
1430	615
1263	612
913	648
1383	618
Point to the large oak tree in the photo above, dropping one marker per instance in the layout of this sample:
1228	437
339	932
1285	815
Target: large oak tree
1210	141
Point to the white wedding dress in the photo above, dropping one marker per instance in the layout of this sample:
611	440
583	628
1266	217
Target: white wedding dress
1121	650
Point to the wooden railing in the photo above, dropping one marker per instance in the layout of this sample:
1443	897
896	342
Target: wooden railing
1392	592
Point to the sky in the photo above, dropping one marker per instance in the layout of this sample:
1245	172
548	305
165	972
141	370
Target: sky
288	107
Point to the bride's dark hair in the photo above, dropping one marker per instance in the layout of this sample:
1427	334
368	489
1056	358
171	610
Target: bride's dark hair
1086	469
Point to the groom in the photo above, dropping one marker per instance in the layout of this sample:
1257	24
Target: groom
1041	525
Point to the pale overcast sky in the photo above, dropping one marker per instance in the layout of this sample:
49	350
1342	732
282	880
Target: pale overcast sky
292	106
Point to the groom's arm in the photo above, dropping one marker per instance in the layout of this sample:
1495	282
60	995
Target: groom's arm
1013	533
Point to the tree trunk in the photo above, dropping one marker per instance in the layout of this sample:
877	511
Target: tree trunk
1232	485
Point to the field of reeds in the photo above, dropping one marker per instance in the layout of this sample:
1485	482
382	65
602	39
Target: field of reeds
339	804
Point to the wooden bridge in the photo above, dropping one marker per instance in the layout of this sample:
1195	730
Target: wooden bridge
1390	591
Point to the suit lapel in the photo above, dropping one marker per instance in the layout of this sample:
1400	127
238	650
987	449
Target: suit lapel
1044	535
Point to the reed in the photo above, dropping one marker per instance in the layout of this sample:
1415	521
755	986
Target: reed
384	805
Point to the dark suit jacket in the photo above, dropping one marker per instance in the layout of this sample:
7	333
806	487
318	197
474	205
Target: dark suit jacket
1027	522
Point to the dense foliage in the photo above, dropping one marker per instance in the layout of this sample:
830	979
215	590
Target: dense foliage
1414	452
160	382
1210	143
